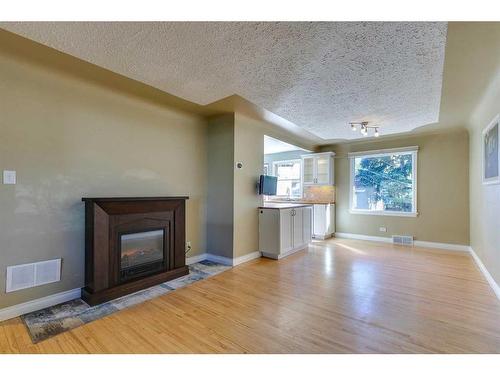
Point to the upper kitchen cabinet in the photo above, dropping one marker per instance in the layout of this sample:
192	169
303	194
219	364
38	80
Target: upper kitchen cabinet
318	169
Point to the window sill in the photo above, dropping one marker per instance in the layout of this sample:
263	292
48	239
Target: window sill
383	213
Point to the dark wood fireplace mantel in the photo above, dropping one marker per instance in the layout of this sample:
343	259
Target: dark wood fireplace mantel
132	244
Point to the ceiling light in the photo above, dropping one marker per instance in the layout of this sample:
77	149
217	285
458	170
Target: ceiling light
364	128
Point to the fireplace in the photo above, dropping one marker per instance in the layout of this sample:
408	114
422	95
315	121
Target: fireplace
131	244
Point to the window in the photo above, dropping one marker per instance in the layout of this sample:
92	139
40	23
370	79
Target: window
266	169
288	173
384	182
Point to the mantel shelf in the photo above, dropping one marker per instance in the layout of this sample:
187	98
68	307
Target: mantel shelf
122	199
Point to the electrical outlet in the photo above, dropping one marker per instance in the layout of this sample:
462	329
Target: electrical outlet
382	229
9	177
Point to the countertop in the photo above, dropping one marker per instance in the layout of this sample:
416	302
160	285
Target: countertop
301	201
279	206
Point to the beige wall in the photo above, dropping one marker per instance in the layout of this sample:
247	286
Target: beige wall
484	199
68	137
220	197
442	189
249	150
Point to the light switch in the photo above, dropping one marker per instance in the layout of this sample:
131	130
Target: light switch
9	177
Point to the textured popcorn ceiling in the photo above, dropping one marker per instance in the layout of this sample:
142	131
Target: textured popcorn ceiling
319	76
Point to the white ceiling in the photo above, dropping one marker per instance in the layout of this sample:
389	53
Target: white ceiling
317	75
274	146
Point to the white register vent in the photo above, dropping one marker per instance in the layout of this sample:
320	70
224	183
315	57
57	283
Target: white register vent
33	274
402	240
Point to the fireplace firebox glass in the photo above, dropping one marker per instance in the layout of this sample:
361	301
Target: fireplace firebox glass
140	249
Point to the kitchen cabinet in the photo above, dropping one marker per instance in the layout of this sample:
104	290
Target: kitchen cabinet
323	220
318	169
284	229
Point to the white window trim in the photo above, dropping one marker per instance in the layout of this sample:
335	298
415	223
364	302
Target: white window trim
399	150
374	153
288	179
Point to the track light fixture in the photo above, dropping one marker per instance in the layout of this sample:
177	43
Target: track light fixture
364	128
364	131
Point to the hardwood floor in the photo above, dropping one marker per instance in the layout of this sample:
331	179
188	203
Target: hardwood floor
339	296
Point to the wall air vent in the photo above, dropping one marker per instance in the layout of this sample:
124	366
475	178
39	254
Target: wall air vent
33	274
402	240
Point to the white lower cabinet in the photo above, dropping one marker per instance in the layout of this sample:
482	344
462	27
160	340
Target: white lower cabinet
298	230
324	221
283	231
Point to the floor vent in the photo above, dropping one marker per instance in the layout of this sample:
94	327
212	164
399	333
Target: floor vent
33	274
402	240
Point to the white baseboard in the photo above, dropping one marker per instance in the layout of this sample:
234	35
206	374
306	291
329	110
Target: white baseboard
220	259
246	258
196	259
487	275
321	237
280	256
363	237
37	304
223	260
441	245
433	245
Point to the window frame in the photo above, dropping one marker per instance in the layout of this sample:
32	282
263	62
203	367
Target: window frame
274	173
266	169
413	150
